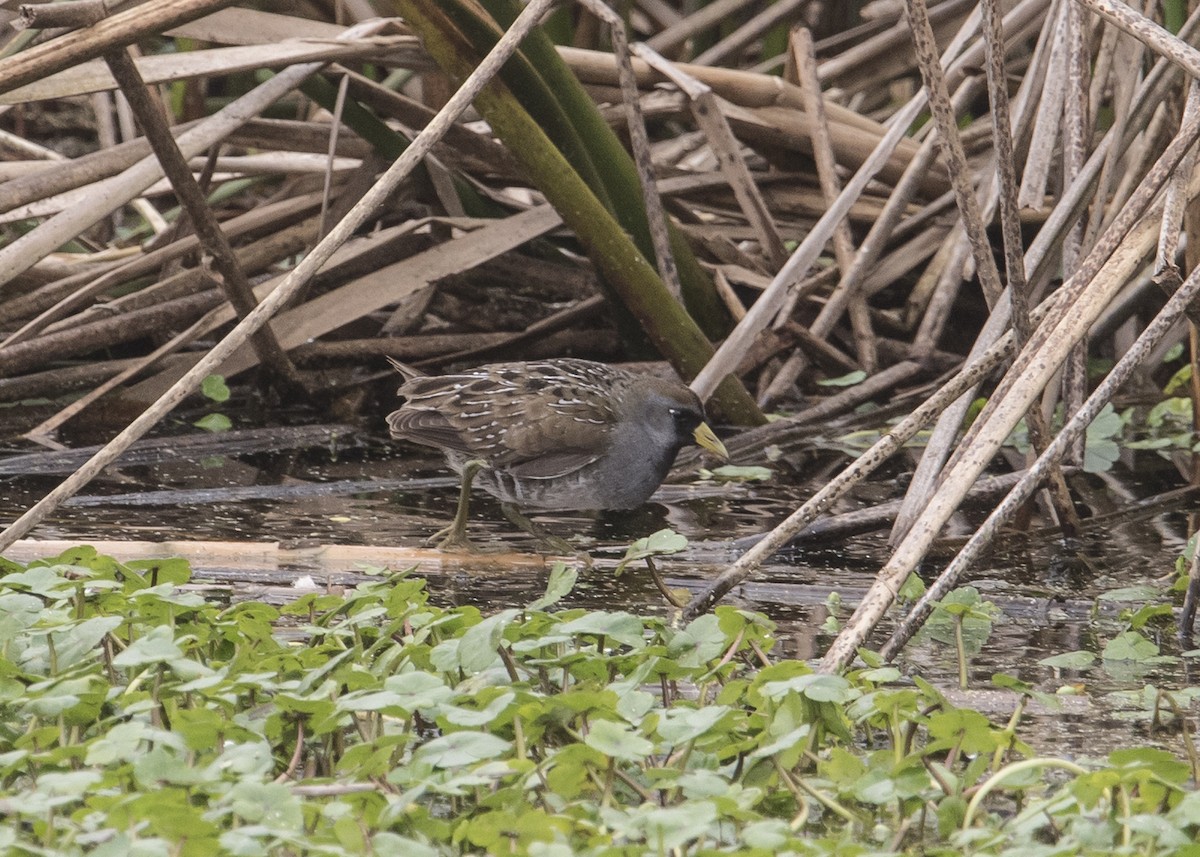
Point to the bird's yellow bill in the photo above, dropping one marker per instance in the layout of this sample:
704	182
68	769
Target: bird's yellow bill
704	437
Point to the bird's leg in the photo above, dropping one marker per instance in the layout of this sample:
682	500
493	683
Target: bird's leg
550	540
454	537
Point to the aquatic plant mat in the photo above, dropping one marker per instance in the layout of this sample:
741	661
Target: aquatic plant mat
945	238
140	718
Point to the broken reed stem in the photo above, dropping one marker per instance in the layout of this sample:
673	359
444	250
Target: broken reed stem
305	270
952	148
1014	261
956	480
47	427
1076	304
1006	173
1075	140
1173	211
1148	33
231	277
1074	288
24	252
733	349
639	142
1046	463
737	344
116	31
710	119
843	244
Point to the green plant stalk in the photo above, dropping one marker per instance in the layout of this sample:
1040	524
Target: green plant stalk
961	646
1188	746
473	33
667	324
561	93
474	26
993	782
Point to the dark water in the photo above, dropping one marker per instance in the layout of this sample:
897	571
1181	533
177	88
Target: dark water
1046	606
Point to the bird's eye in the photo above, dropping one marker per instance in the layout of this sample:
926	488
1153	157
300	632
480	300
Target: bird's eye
683	418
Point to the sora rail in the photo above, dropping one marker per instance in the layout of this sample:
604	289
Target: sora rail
551	434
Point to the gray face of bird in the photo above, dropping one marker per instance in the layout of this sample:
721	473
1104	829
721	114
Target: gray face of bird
666	422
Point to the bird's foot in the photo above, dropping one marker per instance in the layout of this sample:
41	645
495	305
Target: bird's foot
454	537
451	538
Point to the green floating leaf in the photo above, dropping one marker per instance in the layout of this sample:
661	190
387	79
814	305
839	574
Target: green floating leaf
124	743
157	646
968	729
477	650
912	588
213	387
1174	410
620	627
173	570
1100	455
661	543
699	642
215	423
1069	660
1179	382
1150	443
1107	424
461	748
671	828
1129	646
678	725
1130	593
270	804
818	688
739	473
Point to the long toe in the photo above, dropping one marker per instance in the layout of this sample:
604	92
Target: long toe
451	539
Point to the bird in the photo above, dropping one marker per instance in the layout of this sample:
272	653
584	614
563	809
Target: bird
551	435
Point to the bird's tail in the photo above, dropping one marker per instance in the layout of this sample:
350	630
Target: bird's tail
406	371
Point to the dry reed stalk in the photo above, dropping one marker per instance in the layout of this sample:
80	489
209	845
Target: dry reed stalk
1038	256
1076	306
843	244
1046	463
858	470
254	257
639	142
230	276
368	293
710	118
116	31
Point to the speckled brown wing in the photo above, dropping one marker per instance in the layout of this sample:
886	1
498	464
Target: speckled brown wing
559	416
536	421
553	439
